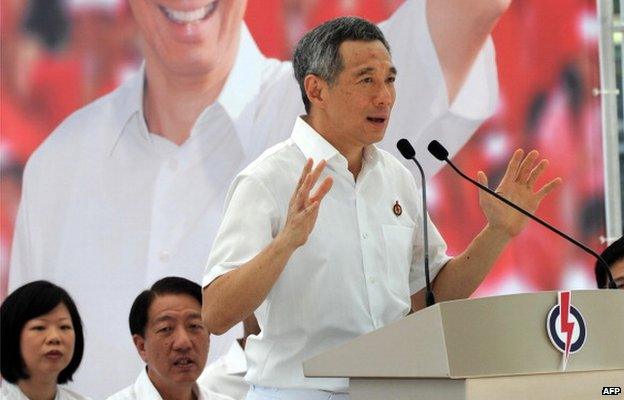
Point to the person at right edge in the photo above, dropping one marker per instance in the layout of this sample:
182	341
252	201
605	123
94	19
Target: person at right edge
317	275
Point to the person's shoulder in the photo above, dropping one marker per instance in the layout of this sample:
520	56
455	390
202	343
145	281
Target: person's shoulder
271	161
275	71
68	394
392	162
124	394
89	129
100	113
210	395
10	391
396	170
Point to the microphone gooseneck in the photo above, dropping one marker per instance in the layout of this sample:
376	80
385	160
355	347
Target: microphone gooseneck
409	153
439	152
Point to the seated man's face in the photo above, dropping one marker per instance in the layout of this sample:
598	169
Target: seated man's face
188	37
360	99
175	346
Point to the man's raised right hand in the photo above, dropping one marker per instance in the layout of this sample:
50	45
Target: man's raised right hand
303	208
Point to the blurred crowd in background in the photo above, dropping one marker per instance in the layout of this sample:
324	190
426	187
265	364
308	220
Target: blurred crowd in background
58	55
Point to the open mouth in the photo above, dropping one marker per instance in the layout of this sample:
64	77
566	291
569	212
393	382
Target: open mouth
183	362
190	16
377	120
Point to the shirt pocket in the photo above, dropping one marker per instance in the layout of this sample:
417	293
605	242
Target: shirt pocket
398	244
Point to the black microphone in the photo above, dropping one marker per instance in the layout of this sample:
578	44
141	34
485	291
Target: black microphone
408	152
439	152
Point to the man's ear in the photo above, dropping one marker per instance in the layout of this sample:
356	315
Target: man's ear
316	89
139	343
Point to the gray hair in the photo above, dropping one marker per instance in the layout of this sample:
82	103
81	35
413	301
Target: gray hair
317	52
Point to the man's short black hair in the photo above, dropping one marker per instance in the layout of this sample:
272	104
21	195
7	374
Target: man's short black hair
169	285
317	52
611	255
28	302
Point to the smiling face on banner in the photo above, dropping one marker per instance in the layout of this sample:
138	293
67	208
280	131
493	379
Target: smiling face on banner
190	37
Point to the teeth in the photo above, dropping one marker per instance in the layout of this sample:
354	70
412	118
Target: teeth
185	17
183	362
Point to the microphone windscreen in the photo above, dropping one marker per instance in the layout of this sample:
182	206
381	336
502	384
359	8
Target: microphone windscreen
406	149
437	150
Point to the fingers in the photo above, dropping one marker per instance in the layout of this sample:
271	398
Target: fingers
512	168
482	178
317	172
306	183
310	181
306	170
536	172
296	199
526	166
547	188
322	190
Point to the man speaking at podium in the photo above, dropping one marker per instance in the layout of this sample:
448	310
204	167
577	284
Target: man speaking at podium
322	266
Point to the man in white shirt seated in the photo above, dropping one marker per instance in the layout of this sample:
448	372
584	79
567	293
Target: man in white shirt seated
317	275
167	331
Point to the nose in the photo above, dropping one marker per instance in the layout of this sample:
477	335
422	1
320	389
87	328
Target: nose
54	336
385	96
182	340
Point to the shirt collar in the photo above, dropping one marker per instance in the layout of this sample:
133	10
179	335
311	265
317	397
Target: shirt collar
313	145
239	95
130	96
244	80
145	389
241	88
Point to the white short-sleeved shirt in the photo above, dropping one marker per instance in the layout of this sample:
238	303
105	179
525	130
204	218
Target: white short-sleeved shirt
354	274
227	374
108	208
143	389
10	391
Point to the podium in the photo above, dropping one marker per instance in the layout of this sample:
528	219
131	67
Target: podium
486	348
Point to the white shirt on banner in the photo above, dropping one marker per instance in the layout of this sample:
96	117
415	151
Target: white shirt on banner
354	274
108	208
10	391
143	389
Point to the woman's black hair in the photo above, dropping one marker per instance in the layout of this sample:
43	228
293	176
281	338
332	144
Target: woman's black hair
25	303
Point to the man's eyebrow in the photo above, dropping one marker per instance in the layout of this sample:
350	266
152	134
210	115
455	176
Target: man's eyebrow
368	70
363	71
194	316
163	318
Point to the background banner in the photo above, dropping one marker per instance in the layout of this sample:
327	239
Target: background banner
60	55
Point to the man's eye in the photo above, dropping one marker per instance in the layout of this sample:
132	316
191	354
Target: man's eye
367	80
164	329
197	327
391	79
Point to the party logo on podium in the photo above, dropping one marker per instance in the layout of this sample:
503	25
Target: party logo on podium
566	327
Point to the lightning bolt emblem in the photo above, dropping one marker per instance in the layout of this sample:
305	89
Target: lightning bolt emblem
566	326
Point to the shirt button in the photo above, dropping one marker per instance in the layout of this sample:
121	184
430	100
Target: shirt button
164	256
372	280
173	165
365	235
